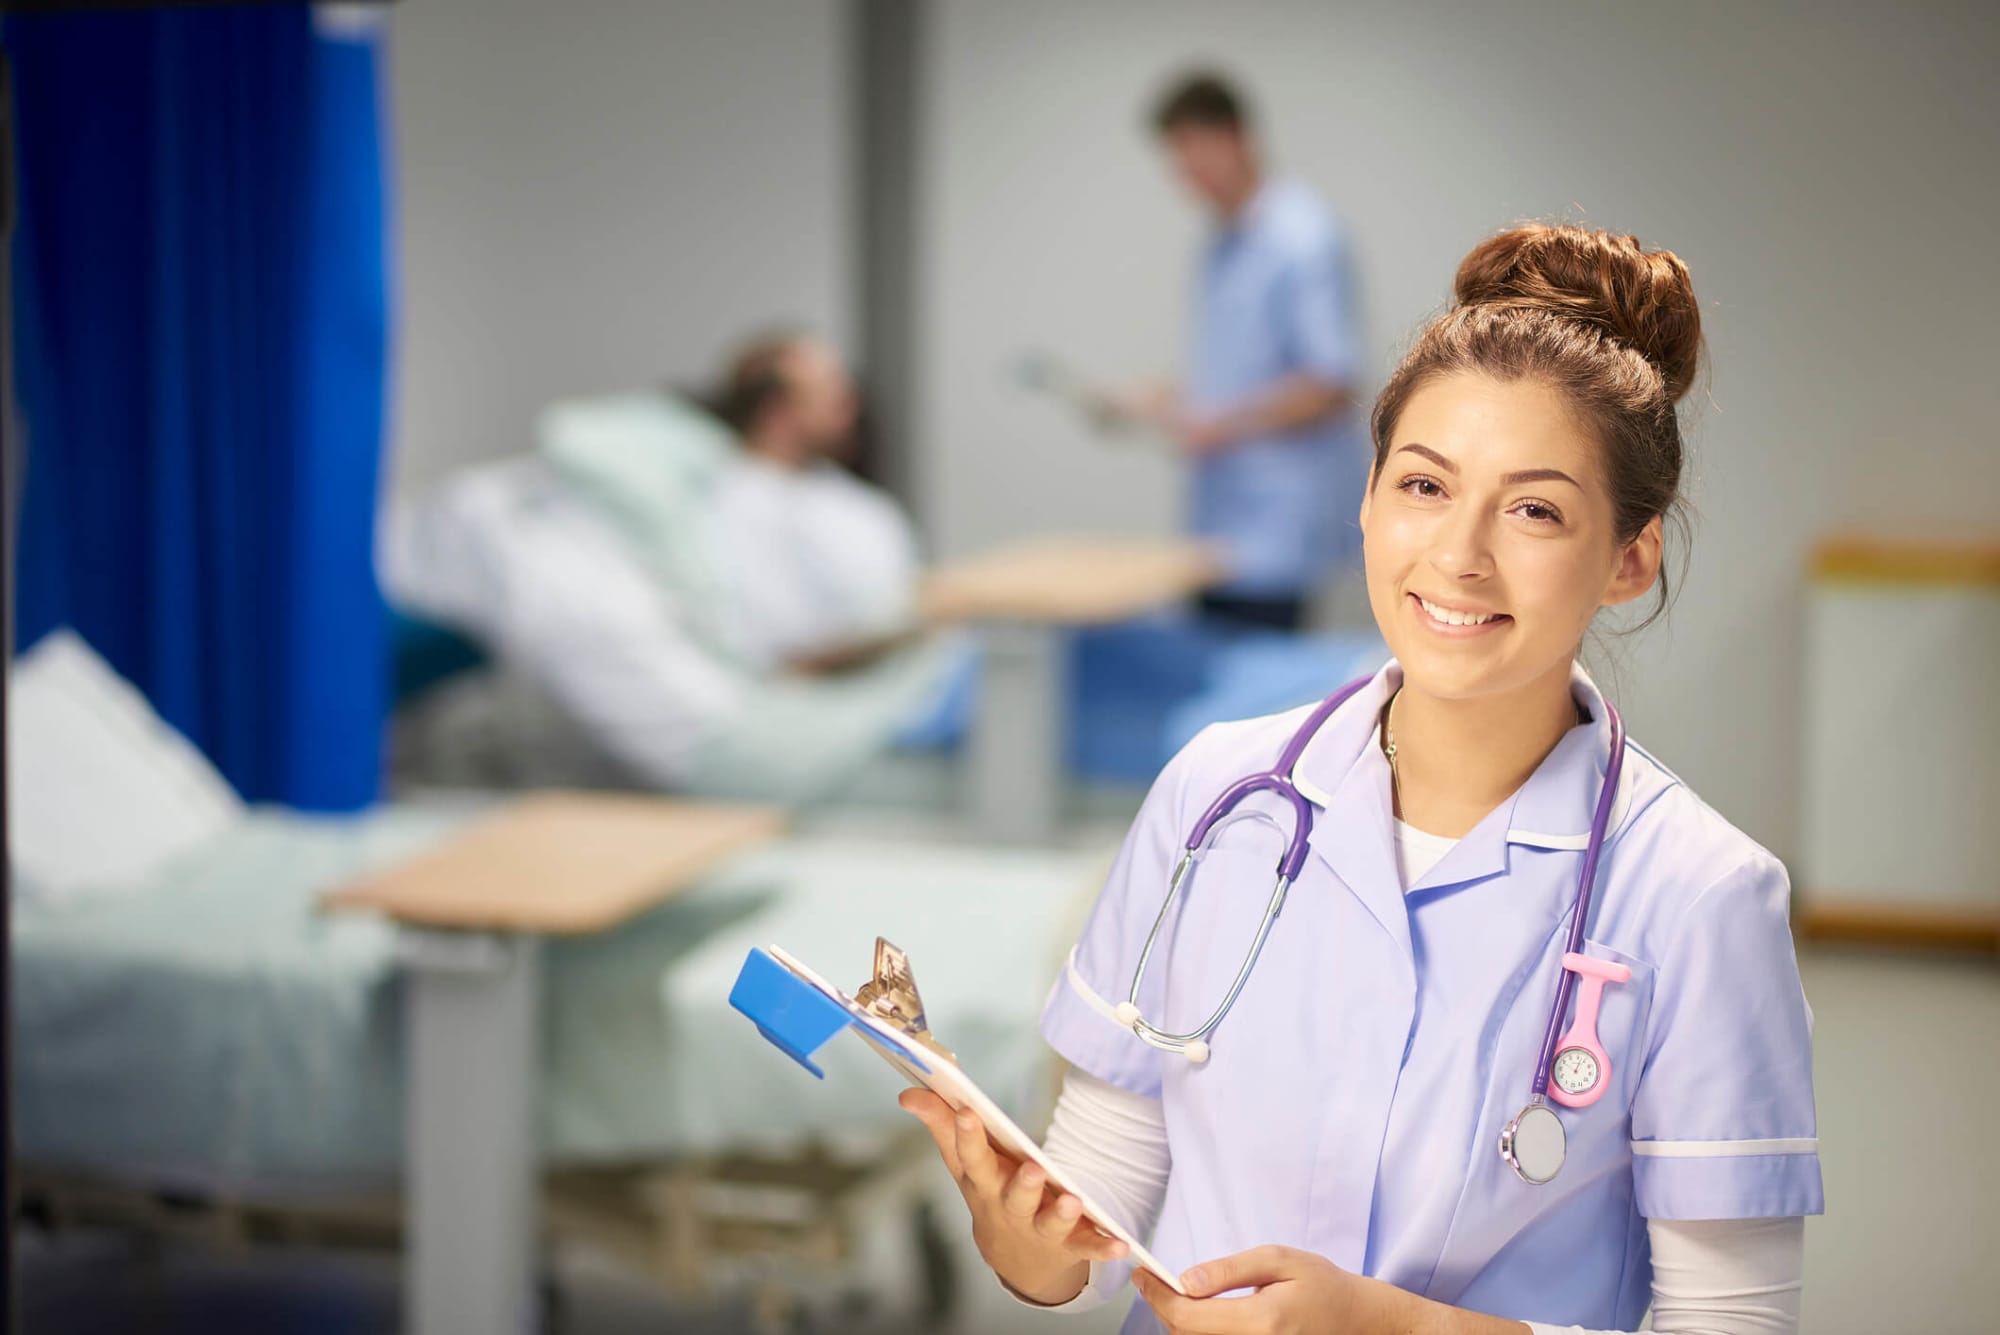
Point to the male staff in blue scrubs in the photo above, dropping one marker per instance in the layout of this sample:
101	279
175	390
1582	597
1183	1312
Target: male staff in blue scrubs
1267	412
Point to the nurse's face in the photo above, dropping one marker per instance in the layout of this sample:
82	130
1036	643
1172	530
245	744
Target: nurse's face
1489	538
1215	164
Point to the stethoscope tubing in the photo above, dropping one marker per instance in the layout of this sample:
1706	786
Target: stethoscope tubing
1279	780
1586	877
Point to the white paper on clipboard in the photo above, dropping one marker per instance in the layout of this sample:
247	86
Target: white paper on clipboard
955	1087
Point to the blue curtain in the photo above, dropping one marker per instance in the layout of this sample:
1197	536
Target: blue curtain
200	303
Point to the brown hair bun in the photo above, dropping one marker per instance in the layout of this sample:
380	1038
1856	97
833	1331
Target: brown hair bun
1643	298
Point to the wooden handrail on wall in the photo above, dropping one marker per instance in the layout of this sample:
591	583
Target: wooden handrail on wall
1856	559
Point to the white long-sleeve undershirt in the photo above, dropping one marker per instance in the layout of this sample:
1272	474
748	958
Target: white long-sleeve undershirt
1710	1277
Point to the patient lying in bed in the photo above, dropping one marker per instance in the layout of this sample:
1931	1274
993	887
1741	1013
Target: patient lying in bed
714	613
820	568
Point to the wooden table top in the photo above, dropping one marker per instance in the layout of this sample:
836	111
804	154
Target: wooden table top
1070	581
562	863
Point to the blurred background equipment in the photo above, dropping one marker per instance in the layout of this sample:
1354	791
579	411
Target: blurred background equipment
1899	842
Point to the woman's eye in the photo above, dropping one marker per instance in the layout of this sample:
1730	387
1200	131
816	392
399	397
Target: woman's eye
1538	512
1427	487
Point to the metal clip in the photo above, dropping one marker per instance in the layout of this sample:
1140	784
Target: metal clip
892	996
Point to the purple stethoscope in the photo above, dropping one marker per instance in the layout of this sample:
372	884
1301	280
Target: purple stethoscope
1573	1068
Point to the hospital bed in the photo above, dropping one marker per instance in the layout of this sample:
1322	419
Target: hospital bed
214	1035
1077	691
586	573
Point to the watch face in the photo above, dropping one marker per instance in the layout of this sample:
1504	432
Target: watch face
1575	1070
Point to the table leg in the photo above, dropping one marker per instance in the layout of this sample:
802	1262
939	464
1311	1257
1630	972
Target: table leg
1018	781
472	1156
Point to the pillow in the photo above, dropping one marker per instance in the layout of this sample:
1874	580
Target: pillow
511	555
100	790
648	464
650	454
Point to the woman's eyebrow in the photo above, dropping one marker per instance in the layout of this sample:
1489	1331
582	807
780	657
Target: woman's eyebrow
1431	454
1539	475
1510	480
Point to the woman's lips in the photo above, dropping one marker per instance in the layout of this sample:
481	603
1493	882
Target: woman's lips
1456	623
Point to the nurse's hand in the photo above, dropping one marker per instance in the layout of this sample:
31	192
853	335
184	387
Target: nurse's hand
1296	1293
1153	403
1035	1238
1301	1293
1199	437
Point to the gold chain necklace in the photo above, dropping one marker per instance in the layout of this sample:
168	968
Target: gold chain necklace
1389	750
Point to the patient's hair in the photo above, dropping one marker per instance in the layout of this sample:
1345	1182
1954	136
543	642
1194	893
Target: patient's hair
1201	98
1610	325
754	380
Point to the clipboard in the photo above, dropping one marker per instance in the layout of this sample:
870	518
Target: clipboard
1043	374
800	1012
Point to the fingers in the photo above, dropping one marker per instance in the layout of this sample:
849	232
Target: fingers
979	1166
1194	1316
1200	1313
1091	1243
922	1103
1056	1219
936	1115
1023	1195
1244	1270
1061	1218
1021	1190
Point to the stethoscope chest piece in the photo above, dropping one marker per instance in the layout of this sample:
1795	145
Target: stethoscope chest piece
1534	1144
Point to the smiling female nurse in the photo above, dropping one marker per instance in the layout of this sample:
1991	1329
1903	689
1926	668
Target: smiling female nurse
1328	1159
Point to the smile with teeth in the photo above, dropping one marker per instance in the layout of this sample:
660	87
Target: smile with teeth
1447	616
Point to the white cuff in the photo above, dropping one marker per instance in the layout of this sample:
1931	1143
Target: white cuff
1095	1291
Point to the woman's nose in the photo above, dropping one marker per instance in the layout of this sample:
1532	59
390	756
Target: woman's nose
1462	547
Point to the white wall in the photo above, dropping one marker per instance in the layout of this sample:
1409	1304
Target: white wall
1828	173
604	194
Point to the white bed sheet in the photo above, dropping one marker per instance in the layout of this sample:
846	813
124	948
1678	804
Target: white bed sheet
215	1031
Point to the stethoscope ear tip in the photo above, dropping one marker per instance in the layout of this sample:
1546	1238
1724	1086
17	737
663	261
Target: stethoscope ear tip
1127	1014
1197	1051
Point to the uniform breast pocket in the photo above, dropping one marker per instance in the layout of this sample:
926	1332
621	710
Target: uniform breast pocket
1622	1010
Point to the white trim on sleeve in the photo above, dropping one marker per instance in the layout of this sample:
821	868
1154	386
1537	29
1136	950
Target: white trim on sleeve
1088	993
1722	1149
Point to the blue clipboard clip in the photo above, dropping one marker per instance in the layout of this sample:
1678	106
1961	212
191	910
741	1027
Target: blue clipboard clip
799	1017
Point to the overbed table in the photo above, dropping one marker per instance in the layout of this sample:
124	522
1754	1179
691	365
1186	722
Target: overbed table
473	914
1024	597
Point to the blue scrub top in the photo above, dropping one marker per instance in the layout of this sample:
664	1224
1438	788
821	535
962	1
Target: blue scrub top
1276	298
1354	1098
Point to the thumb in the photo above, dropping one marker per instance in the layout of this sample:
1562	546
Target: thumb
1245	1270
936	1115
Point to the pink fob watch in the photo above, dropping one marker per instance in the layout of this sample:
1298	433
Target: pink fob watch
1582	1069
